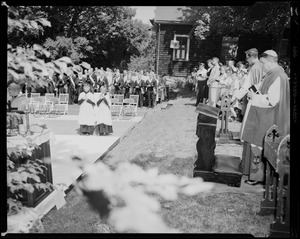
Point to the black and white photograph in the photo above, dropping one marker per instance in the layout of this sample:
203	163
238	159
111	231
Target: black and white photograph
150	119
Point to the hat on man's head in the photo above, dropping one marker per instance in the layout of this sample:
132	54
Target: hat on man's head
270	53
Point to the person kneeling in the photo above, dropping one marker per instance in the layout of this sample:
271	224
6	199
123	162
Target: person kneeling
103	113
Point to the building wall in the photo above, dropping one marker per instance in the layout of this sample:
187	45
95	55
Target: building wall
201	51
166	65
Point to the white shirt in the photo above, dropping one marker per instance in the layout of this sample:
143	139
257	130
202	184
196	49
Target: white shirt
201	75
271	98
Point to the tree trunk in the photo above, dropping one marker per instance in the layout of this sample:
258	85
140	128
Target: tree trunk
74	19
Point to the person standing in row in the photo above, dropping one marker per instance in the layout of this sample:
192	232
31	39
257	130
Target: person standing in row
102	113
127	84
86	117
109	77
201	84
255	73
78	85
118	82
138	86
102	80
71	87
213	82
269	104
150	89
61	84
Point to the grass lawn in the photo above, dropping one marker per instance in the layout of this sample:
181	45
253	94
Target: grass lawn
166	139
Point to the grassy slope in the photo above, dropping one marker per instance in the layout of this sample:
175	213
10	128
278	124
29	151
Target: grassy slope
166	139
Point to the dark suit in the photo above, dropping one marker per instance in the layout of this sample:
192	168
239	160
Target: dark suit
118	83
102	81
137	89
127	88
61	85
151	86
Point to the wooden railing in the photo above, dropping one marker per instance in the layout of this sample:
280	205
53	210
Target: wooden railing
277	191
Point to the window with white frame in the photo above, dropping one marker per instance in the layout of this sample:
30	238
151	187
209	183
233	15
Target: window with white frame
182	53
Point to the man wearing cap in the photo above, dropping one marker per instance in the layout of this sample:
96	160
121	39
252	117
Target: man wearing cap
269	106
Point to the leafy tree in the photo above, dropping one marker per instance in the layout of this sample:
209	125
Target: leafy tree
144	41
259	18
76	48
24	27
109	30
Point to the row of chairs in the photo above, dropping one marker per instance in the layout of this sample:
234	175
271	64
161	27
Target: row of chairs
49	104
124	107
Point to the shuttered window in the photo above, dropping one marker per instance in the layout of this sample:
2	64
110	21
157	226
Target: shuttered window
182	53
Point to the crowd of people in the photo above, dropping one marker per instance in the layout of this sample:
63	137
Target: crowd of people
145	83
259	91
258	88
81	85
211	83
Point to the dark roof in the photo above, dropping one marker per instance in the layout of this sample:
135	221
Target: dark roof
169	14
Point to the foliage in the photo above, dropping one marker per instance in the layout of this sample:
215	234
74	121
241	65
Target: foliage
145	41
76	48
23	173
25	65
109	30
128	191
23	27
260	17
31	64
141	63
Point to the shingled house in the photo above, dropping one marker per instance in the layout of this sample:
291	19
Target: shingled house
178	52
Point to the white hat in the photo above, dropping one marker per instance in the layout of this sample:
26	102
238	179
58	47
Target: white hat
271	53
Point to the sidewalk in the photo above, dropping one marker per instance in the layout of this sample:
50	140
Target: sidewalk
68	143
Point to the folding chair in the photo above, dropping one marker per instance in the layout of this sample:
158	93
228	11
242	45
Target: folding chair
34	96
49	97
136	102
33	107
119	97
62	105
128	107
116	107
47	108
